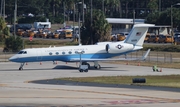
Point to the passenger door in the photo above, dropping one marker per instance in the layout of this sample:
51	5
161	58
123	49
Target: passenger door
39	55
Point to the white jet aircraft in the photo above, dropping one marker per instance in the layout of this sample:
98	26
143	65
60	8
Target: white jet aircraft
87	53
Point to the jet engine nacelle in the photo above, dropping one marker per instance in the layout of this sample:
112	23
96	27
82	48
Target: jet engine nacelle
118	47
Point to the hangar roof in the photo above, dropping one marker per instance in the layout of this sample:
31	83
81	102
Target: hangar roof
124	21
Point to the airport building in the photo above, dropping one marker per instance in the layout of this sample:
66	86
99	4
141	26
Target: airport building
122	24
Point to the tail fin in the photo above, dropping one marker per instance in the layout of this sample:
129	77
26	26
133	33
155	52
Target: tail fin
138	34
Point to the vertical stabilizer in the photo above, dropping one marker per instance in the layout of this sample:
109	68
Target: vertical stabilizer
138	34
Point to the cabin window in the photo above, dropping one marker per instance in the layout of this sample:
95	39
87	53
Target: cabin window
70	52
50	53
63	53
25	52
21	52
57	53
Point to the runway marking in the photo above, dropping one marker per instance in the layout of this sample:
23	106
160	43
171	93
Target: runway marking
147	99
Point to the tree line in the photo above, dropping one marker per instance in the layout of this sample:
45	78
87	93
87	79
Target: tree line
154	11
93	29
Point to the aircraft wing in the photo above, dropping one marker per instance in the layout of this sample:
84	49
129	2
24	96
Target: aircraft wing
119	59
92	60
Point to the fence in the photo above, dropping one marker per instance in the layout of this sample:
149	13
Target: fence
165	57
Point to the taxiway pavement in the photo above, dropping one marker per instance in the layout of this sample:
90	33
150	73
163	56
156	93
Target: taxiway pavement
16	90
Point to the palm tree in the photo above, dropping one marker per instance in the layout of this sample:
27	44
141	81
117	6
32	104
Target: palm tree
99	31
4	30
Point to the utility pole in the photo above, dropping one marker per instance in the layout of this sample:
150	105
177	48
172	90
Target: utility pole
159	5
1	7
64	14
79	19
91	24
4	10
73	20
103	6
82	11
15	14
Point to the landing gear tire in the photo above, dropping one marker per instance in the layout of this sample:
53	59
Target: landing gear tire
86	70
81	70
85	63
20	68
97	67
88	65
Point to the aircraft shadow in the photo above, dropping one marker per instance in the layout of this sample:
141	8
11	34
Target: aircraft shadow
25	69
64	67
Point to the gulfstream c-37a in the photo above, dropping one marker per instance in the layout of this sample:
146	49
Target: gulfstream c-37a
102	51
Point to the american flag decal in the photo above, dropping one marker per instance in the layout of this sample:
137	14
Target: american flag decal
138	33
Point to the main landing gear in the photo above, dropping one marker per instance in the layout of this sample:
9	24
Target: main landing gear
96	65
85	66
21	66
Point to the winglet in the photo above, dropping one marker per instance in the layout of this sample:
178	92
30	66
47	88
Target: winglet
146	54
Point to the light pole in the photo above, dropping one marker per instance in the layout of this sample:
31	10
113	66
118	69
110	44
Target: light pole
172	32
134	16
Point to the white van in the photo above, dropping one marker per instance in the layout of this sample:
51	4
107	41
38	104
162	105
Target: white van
42	25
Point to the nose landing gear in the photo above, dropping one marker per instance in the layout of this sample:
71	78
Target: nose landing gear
21	66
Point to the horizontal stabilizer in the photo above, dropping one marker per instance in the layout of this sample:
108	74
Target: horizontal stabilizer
146	54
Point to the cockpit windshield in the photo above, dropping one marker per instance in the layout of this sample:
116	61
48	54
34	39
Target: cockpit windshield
22	52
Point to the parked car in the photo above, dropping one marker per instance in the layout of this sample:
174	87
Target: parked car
176	35
113	37
20	32
153	38
66	34
165	39
121	37
124	33
177	40
56	34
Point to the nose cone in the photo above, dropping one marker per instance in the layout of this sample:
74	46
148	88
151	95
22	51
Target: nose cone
13	59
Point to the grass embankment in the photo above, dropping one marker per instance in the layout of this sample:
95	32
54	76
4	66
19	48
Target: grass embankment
47	43
165	81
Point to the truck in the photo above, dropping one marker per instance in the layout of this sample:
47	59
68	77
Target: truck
42	25
66	34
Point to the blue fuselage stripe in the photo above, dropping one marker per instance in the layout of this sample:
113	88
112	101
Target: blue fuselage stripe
65	58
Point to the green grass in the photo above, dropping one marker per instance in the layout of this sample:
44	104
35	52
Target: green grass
175	65
165	81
